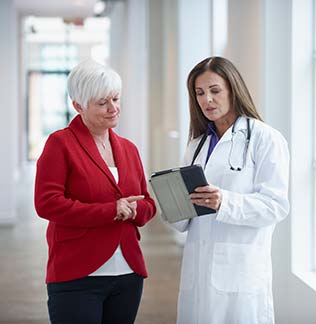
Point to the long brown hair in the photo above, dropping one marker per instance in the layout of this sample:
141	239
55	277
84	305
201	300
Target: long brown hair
240	96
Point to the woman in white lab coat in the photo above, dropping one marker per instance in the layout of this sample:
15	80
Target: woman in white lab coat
226	275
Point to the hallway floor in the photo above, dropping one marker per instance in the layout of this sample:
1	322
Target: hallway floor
23	260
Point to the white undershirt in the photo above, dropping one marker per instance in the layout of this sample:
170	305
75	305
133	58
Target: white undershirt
117	264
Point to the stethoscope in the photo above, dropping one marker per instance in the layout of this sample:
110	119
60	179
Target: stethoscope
233	144
235	133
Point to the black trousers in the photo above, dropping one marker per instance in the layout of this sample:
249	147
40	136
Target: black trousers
95	300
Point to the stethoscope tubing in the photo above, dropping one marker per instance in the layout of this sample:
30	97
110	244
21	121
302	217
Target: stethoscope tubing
246	145
204	137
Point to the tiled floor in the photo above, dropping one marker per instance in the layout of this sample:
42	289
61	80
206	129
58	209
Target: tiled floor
23	258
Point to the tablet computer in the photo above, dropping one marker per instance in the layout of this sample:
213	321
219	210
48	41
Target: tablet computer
172	188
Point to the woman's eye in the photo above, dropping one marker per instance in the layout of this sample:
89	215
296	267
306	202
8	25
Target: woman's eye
214	91
116	99
199	94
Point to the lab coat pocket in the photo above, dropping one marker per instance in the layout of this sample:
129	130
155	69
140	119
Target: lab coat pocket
239	181
239	268
187	269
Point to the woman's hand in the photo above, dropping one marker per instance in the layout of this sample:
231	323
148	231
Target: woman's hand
207	196
126	207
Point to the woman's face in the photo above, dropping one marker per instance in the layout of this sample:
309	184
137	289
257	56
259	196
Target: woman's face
213	95
103	113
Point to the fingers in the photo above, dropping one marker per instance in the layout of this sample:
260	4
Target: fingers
208	188
131	199
124	213
127	207
204	192
134	209
207	196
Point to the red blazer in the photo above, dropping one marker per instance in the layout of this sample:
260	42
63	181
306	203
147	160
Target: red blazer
76	192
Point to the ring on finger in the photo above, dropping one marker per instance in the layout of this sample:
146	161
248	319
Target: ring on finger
206	201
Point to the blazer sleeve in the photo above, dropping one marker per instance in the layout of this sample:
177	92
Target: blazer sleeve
49	197
268	204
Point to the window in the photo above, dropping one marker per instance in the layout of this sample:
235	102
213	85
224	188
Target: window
303	142
53	47
313	251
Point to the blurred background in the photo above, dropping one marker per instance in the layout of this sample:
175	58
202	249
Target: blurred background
153	44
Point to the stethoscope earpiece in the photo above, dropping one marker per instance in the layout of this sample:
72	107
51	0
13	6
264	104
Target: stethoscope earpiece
235	169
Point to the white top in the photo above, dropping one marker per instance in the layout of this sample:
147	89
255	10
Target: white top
117	264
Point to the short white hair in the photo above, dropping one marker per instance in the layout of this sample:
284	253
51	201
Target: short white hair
90	80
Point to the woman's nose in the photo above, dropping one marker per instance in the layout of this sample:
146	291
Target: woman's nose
209	98
111	106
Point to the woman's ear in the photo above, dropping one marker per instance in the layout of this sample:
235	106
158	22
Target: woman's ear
77	106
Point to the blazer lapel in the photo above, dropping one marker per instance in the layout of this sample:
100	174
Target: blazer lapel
120	155
86	141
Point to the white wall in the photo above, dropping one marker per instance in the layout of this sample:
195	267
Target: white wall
194	45
8	108
289	82
277	73
154	67
163	94
178	38
244	43
129	45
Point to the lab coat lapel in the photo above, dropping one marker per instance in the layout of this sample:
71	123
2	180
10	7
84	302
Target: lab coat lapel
241	124
87	142
227	136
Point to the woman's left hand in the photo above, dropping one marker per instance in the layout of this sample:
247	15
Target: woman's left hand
208	196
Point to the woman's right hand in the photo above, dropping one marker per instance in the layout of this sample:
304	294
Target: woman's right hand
126	207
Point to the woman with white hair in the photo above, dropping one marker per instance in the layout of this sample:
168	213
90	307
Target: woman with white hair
90	186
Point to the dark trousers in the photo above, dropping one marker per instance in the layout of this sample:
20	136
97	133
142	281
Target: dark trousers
95	300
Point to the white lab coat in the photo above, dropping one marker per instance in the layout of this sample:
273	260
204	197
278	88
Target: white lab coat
226	275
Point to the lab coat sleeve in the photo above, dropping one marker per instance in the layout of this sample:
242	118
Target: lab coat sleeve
268	203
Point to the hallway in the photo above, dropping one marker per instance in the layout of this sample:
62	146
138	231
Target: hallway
23	260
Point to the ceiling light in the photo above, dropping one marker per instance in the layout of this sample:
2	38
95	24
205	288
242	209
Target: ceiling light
99	7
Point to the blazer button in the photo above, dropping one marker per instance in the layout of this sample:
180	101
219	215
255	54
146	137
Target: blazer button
118	196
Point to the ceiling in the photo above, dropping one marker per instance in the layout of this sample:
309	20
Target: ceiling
55	8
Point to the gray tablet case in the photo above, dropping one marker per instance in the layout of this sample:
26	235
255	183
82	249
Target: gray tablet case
172	188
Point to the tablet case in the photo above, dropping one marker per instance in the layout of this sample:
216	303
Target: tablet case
172	188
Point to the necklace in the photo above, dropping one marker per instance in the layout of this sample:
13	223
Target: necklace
98	141
103	145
